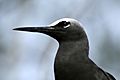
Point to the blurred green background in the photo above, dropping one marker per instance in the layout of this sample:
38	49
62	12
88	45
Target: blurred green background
101	20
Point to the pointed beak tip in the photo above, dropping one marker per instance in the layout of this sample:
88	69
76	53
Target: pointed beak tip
18	29
14	29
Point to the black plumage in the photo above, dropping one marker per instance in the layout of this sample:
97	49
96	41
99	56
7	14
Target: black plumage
72	61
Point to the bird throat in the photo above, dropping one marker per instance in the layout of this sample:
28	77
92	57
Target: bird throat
73	51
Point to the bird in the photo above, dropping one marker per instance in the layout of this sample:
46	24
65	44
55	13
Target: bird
72	60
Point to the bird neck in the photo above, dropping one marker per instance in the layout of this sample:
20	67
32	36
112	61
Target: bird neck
73	50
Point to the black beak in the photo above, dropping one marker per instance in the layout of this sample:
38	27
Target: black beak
35	29
46	30
52	31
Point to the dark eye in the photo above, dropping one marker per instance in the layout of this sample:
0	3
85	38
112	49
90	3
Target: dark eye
63	24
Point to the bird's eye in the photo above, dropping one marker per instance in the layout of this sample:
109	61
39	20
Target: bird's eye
63	24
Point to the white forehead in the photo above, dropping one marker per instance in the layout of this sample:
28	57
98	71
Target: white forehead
65	19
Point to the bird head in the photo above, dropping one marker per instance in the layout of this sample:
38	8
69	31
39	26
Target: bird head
65	29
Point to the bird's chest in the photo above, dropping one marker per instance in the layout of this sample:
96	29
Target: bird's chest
74	71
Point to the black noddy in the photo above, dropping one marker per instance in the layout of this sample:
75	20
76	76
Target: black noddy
72	61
